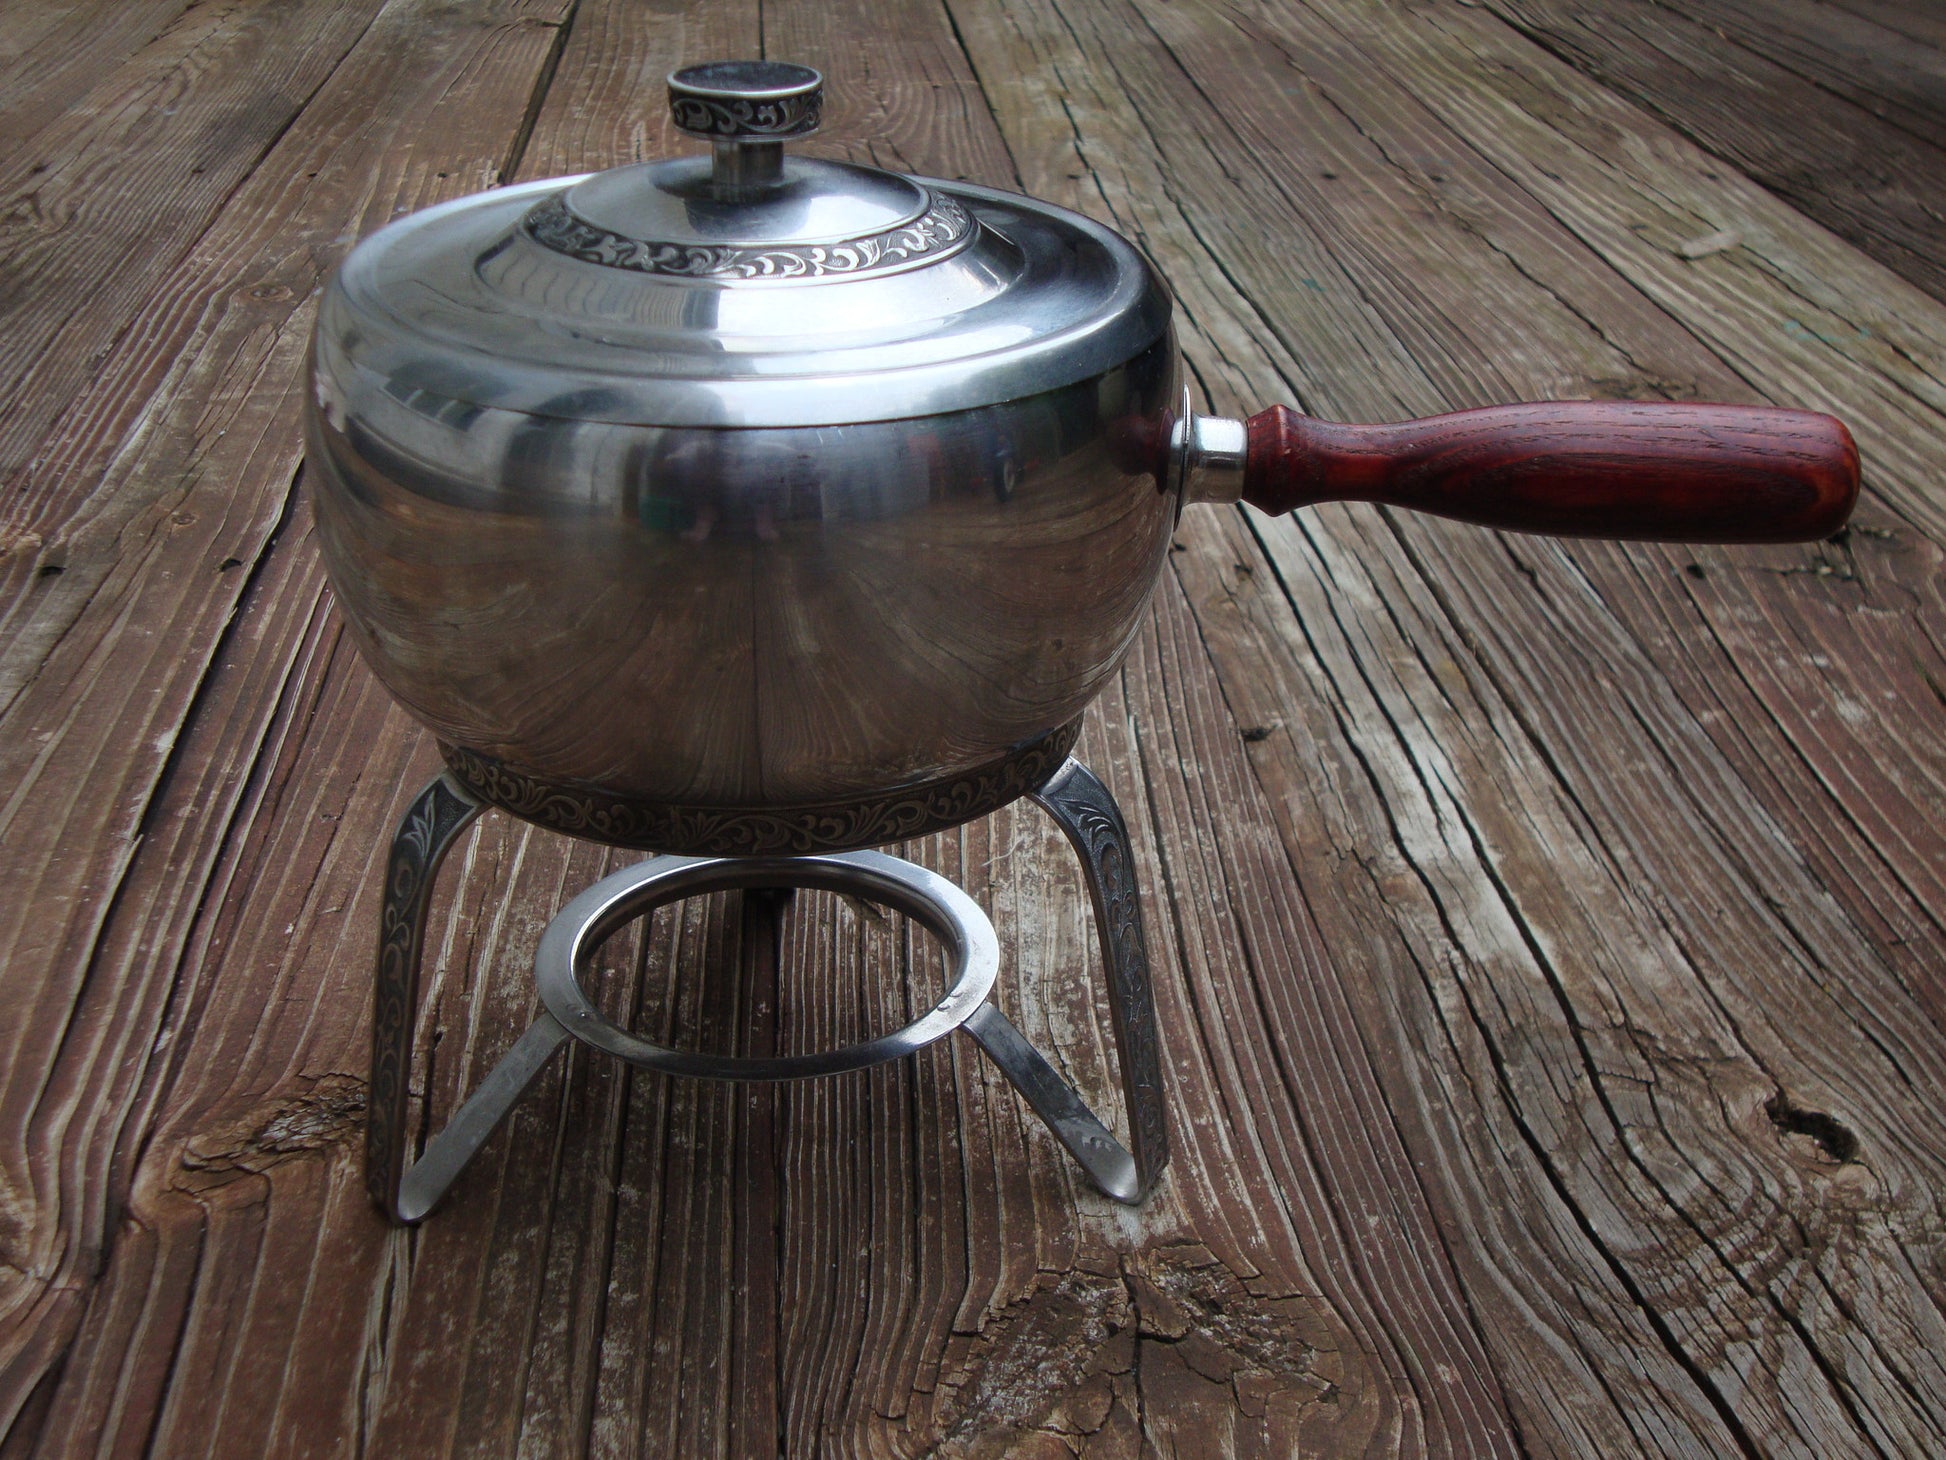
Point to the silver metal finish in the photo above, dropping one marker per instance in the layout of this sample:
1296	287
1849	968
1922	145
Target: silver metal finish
738	167
896	814
929	899
743	100
462	308
746	109
739	493
408	1194
1108	1164
1208	454
429	827
1087	813
744	619
942	227
421	1187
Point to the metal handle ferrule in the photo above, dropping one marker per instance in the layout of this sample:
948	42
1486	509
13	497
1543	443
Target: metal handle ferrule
1208	453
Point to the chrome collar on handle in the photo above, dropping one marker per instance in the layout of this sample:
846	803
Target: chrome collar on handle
1206	455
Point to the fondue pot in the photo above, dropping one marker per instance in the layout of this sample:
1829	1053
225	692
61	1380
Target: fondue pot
750	503
756	510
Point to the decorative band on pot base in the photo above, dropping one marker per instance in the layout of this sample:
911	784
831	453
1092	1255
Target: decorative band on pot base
755	831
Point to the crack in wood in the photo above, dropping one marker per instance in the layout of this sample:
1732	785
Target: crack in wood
329	1115
1483	994
1173	1328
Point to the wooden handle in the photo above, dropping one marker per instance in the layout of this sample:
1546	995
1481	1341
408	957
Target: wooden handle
1622	469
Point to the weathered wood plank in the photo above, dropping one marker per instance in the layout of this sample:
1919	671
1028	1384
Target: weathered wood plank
1734	311
606	104
1493	1130
1788	104
191	501
1870	64
1882	371
1226	200
1272	143
52	54
909	102
1916	20
1107	80
101	211
1487	608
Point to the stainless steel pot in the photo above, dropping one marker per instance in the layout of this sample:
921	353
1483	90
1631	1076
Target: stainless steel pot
750	503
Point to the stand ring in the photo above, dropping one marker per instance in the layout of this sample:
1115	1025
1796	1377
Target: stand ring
930	900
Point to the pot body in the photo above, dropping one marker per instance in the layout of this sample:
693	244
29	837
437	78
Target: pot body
761	617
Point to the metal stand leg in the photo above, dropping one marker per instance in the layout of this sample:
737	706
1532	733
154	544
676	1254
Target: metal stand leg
1076	800
1093	823
435	819
448	1153
1108	1164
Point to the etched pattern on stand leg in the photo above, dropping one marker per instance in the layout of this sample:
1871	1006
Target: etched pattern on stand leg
1087	813
436	817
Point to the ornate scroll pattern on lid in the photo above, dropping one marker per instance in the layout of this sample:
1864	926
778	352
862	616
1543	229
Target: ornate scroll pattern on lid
762	100
752	216
942	229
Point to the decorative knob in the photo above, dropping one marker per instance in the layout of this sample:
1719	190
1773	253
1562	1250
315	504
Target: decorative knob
748	109
766	101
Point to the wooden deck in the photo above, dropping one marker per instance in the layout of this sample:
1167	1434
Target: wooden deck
1551	938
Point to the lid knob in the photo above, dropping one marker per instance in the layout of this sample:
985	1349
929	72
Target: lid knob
747	109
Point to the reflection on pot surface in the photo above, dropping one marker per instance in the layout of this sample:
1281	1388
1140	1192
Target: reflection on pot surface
742	616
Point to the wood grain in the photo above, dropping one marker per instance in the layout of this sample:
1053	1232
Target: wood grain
189	502
102	208
1547	937
52	55
1683	472
1389	117
1871	62
1842	117
1493	602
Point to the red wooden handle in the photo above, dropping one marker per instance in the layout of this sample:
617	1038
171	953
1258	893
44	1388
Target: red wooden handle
1626	469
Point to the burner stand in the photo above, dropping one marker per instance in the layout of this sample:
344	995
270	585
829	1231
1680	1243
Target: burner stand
1073	796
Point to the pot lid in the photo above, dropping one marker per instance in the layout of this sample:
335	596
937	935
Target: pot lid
744	288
